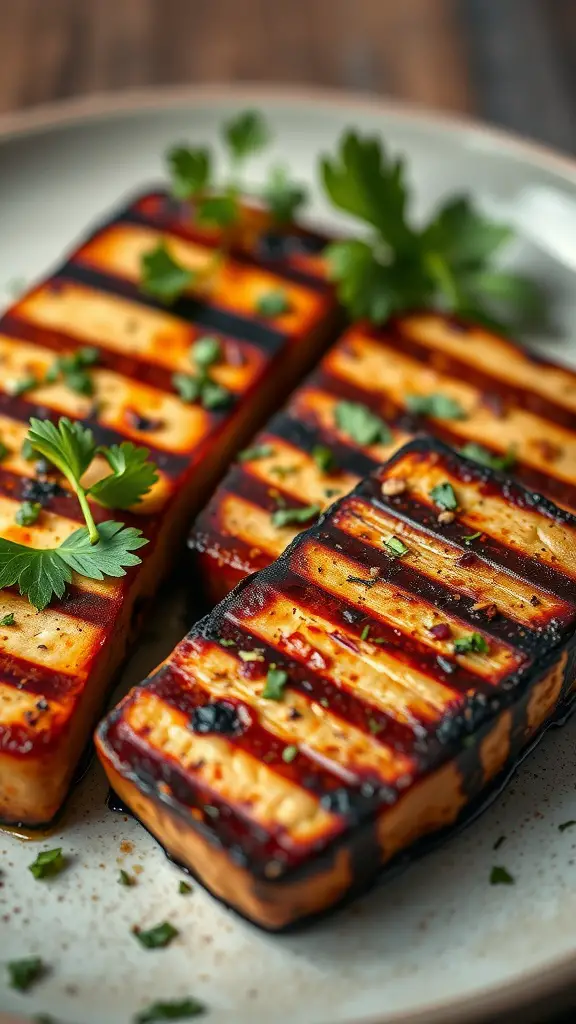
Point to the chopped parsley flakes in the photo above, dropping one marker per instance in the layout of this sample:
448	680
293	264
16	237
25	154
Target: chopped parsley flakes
439	406
443	495
158	937
474	643
501	876
396	547
24	973
276	680
48	863
360	424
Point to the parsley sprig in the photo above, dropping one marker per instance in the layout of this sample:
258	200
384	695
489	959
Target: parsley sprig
447	264
91	551
217	204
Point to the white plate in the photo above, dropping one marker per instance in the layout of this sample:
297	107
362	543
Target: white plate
437	944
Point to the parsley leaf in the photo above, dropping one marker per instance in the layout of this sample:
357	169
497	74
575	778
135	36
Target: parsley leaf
23	973
8	620
324	458
27	513
42	573
287	516
162	277
259	451
246	134
447	264
282	196
158	937
396	547
220	210
363	181
188	387
276	680
206	351
501	876
173	1010
48	863
273	303
361	424
565	825
443	495
478	453
214	396
190	171
475	643
132	476
440	406
125	879
184	888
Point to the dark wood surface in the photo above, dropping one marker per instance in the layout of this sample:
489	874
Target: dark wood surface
512	62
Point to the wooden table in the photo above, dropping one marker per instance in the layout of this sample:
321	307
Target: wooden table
509	61
512	62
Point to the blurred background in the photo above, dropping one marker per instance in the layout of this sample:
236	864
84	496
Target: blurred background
512	62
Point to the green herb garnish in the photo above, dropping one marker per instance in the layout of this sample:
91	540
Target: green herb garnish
206	351
565	825
287	516
365	633
181	1009
190	171
245	135
23	973
273	303
162	277
276	680
16	388
469	537
213	396
474	643
324	458
439	406
27	452
283	196
443	495
8	620
482	455
360	424
28	512
125	879
93	552
223	211
259	451
158	937
188	387
48	863
4	450
501	876
251	656
289	753
446	265
226	643
184	888
396	547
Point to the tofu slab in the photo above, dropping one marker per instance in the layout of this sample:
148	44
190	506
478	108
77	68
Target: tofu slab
511	402
360	693
56	666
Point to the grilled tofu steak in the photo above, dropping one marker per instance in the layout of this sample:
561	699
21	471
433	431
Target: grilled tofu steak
358	694
473	389
55	667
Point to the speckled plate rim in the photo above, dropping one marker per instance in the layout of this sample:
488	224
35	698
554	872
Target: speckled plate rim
525	996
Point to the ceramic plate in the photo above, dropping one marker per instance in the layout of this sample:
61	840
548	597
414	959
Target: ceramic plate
438	943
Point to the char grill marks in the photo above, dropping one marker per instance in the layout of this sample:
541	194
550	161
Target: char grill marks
504	402
370	665
95	300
